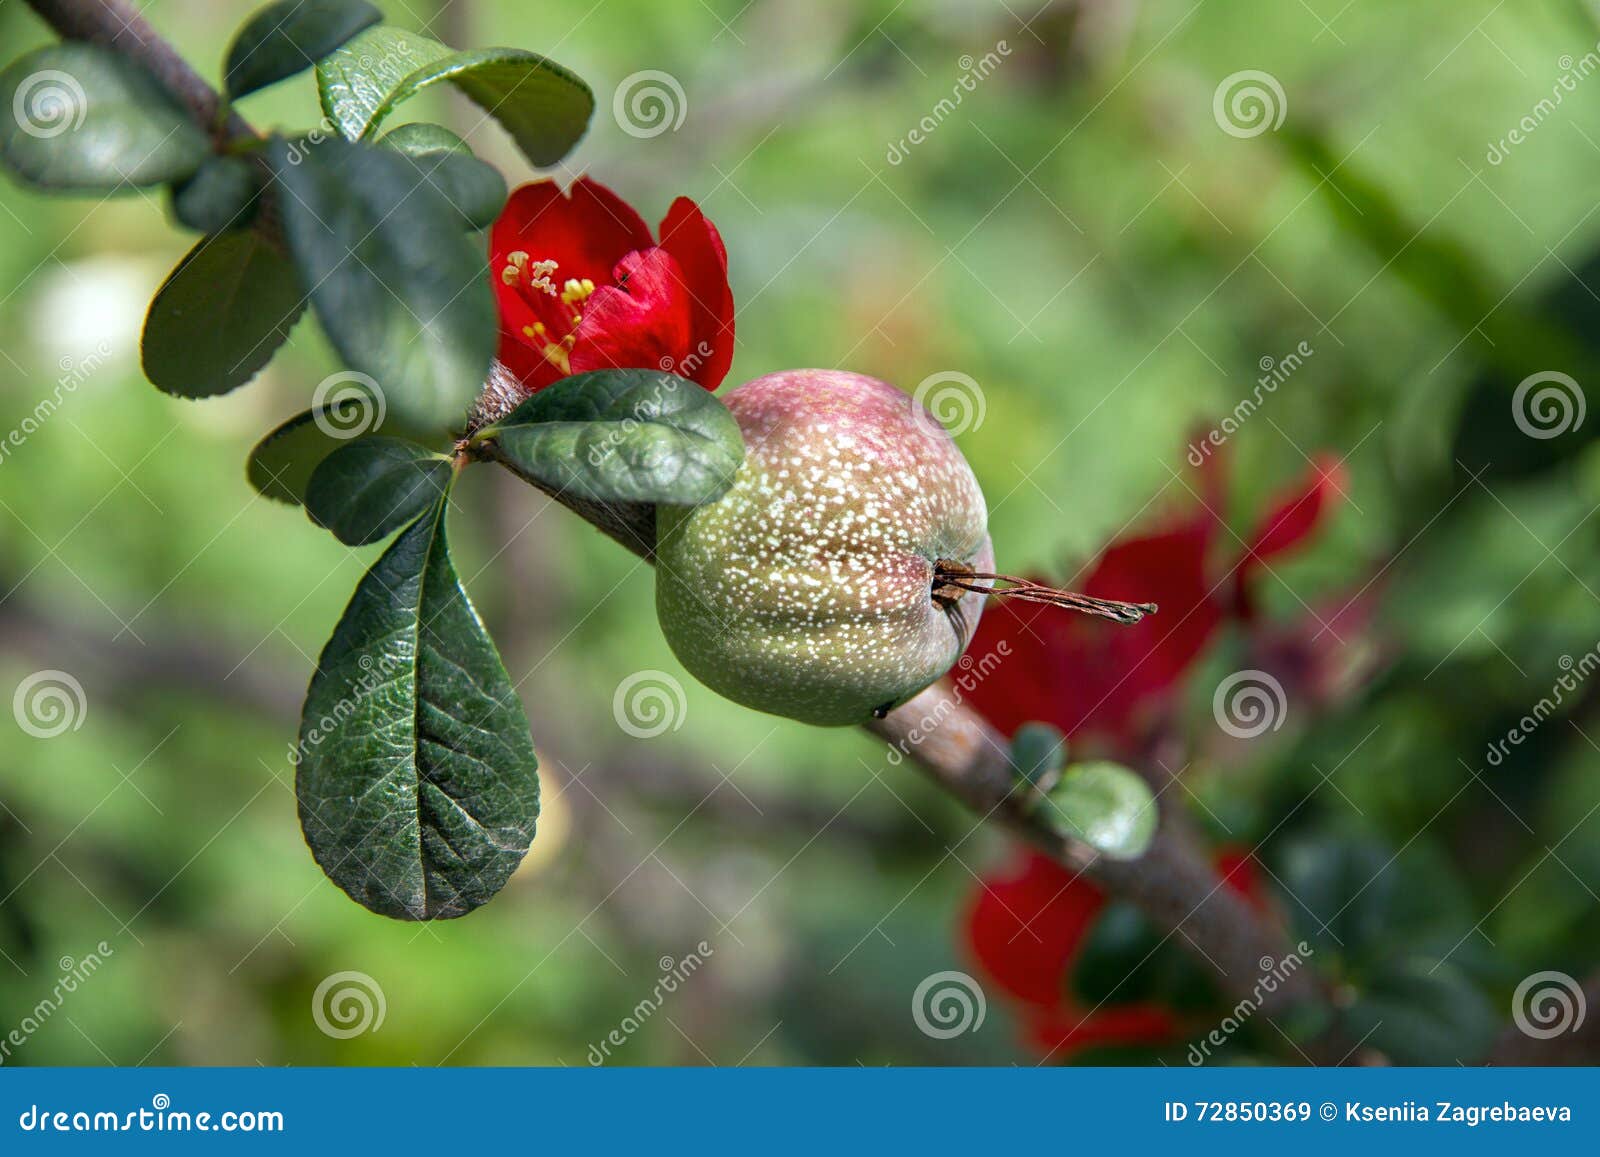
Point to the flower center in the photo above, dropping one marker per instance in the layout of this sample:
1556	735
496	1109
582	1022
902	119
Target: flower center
557	311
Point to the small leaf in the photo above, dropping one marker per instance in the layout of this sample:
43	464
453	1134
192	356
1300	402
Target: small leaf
220	315
282	463
79	117
475	189
369	488
1106	806
289	37
1423	1013
544	107
417	779
1037	752
221	195
402	293
624	436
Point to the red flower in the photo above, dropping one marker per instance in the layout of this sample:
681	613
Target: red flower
1088	676
582	285
1026	926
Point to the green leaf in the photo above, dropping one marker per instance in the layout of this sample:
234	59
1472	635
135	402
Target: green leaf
417	778
220	315
1106	806
369	488
402	293
624	436
282	463
1123	959
1037	752
79	117
289	37
544	107
221	195
443	160
1424	1013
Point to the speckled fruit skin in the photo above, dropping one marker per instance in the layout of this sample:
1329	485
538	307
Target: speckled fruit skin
807	589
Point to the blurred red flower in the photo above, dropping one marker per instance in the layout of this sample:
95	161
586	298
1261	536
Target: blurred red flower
1025	927
1027	924
1087	677
582	285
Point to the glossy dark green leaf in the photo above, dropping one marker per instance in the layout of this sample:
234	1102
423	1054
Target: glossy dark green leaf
220	315
416	774
289	37
544	107
624	436
1106	806
475	189
76	116
1038	751
281	464
402	293
367	489
221	195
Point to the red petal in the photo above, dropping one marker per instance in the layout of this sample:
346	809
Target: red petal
585	231
642	322
1024	927
1295	516
697	246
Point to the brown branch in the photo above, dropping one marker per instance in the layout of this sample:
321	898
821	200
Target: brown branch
118	24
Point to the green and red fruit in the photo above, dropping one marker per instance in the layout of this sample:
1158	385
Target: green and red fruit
813	588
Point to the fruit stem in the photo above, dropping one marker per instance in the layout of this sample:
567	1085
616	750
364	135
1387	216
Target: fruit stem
953	575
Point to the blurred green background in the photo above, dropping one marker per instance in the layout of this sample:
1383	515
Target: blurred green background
1082	238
